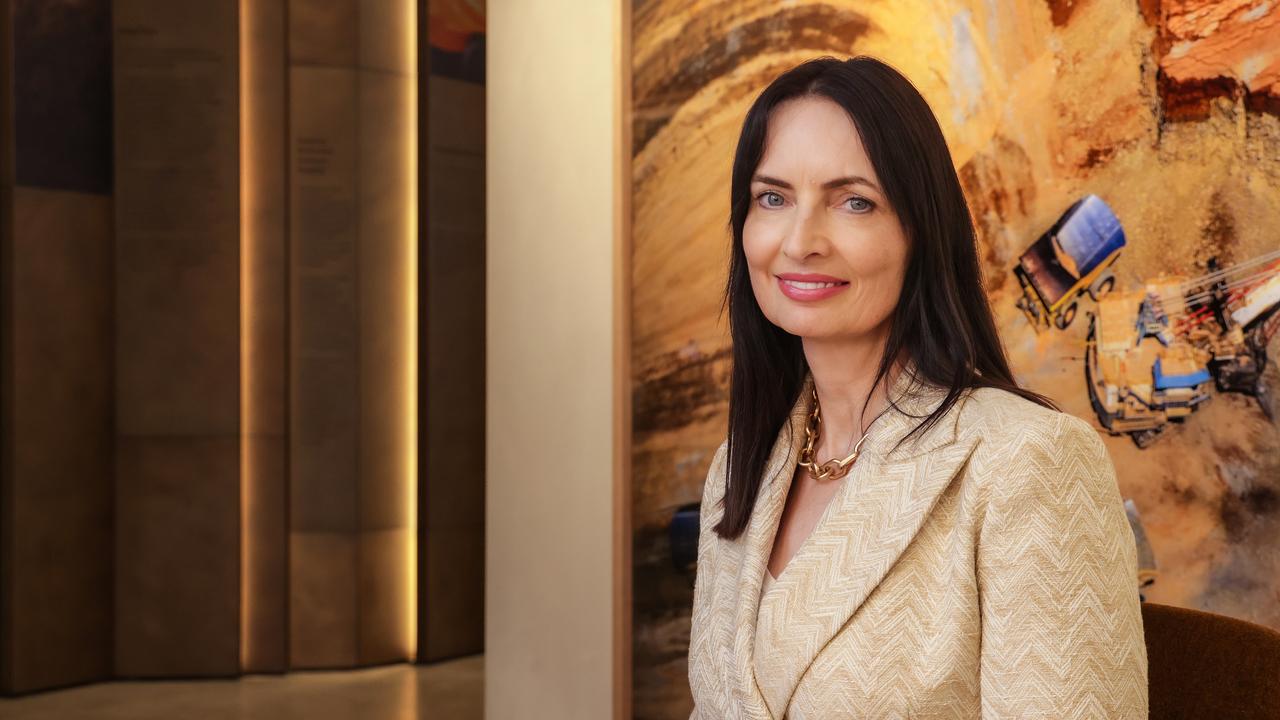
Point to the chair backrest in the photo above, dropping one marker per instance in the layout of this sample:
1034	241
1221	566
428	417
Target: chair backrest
1204	665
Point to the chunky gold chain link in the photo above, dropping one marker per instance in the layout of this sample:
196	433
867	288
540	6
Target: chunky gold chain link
832	469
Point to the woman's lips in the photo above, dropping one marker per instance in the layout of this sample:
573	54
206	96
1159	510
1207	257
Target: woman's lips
810	289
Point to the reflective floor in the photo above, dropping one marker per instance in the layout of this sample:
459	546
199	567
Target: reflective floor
451	690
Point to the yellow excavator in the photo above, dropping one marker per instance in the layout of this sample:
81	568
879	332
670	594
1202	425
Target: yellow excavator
1154	354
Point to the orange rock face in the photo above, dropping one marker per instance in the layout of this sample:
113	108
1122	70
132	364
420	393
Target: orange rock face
1209	49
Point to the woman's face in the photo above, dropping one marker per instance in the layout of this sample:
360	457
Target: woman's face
818	213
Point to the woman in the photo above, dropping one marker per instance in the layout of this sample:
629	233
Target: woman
892	528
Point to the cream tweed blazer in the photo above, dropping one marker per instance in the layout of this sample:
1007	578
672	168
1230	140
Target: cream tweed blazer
986	569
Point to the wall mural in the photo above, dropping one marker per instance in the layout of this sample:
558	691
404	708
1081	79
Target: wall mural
1122	161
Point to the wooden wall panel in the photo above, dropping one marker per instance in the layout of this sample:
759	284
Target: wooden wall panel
59	450
224	310
177	216
55	393
352	193
453	356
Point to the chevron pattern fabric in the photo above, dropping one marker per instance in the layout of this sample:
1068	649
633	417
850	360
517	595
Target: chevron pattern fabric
986	570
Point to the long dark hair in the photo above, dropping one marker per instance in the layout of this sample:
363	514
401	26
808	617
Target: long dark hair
942	321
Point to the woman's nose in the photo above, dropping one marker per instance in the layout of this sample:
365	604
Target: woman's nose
807	235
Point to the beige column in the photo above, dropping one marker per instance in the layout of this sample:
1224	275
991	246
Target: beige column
555	405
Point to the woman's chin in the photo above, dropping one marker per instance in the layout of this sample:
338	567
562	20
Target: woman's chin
808	329
810	322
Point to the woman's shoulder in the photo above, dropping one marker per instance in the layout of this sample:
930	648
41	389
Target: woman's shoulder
714	485
993	403
1010	425
1035	465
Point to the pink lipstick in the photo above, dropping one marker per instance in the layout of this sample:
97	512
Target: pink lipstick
810	286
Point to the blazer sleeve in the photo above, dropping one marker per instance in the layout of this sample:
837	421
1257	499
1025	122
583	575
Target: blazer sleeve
1057	572
708	515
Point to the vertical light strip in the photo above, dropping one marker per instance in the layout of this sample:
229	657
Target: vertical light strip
622	425
246	334
410	26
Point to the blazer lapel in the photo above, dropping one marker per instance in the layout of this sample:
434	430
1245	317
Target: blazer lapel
883	503
755	550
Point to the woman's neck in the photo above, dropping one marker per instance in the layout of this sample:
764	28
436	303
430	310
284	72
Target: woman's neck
843	371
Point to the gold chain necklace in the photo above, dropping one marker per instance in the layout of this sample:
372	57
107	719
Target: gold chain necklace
832	469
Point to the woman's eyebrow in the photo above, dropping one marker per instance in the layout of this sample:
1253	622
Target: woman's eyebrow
838	182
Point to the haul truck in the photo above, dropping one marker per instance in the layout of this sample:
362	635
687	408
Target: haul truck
1072	258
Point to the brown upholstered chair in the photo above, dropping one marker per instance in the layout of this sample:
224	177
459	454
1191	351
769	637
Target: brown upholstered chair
1207	666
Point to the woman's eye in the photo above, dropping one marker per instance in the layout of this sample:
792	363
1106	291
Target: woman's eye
766	195
860	205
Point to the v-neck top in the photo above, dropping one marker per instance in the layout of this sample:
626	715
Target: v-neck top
768	582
